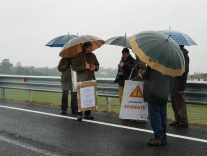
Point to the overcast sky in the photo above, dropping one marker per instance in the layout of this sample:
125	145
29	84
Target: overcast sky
27	25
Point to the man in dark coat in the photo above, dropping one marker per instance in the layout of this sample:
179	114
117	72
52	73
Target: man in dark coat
85	64
66	82
156	90
177	95
124	70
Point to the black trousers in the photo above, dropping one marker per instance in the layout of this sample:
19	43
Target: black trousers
64	104
86	113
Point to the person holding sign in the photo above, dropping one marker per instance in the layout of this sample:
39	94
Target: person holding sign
125	67
85	64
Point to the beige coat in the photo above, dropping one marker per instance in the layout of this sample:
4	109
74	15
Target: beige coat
79	63
64	68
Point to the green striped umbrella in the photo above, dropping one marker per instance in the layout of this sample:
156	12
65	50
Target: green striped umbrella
159	52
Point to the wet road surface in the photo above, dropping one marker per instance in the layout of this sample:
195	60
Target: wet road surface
33	129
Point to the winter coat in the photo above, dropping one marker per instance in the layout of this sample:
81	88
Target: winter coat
156	87
79	63
64	68
138	67
178	83
124	73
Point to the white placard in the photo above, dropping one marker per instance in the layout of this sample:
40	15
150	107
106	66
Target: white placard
133	105
87	97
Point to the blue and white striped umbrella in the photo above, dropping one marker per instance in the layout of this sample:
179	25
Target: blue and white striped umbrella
179	38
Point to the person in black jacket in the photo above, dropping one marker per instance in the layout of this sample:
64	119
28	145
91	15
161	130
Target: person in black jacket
156	91
125	67
177	95
66	83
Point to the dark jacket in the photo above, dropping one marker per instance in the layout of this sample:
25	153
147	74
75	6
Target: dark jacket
124	73
156	87
178	83
79	63
139	66
64	68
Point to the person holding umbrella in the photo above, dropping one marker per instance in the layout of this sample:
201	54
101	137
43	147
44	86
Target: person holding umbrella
85	64
164	59
178	83
66	81
177	95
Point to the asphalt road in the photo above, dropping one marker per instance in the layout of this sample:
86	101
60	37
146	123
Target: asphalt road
33	129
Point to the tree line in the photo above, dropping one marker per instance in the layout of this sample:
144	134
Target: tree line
6	67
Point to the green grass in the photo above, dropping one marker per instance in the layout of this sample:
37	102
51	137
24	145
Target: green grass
43	97
197	114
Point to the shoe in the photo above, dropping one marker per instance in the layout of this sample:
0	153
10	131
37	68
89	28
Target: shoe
182	124
179	124
63	113
74	112
79	117
174	124
157	142
89	117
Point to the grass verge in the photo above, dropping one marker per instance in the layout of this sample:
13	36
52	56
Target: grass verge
196	113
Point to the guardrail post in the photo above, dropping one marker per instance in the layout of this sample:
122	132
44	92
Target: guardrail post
30	95
108	104
2	93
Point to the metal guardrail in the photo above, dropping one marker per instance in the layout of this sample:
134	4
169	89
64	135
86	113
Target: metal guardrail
196	92
105	87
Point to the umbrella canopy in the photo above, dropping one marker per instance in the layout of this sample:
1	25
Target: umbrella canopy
74	46
179	38
119	41
60	41
159	52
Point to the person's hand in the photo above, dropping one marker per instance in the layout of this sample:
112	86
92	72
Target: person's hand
121	65
92	67
140	72
87	66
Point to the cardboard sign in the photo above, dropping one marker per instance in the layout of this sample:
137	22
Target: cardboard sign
86	94
133	105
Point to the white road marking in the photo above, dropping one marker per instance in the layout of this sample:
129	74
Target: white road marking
27	146
106	124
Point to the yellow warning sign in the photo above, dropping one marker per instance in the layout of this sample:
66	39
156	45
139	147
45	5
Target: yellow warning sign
137	92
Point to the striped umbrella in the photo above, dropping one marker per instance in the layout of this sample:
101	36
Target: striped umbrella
179	38
159	52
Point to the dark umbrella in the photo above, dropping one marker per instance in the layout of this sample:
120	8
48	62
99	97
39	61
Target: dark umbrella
158	51
60	41
119	41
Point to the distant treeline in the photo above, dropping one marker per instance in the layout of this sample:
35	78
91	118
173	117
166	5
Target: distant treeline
6	67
